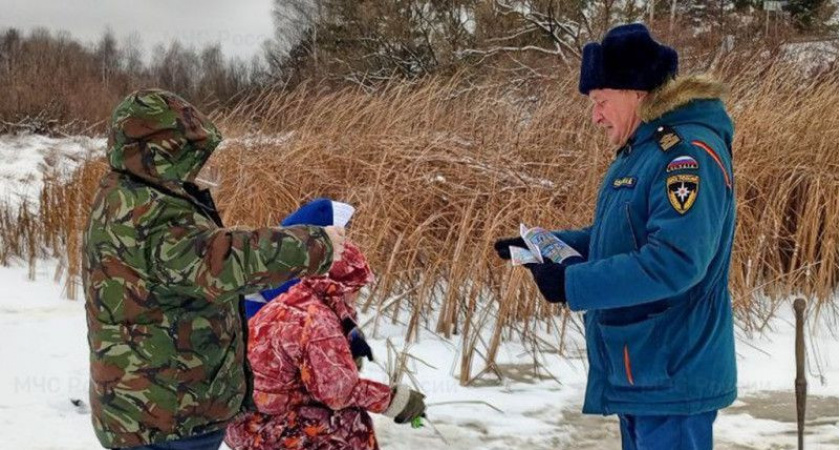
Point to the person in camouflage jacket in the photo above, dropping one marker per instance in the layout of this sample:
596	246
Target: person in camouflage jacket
163	280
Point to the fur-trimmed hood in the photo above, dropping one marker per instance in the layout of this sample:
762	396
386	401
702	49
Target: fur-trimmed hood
695	100
679	92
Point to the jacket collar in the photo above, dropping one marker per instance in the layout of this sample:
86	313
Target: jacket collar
200	198
664	103
679	92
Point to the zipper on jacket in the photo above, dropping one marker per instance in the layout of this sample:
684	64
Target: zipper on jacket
630	225
607	368
603	201
623	156
202	208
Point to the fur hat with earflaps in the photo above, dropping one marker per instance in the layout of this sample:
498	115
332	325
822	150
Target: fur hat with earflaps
627	58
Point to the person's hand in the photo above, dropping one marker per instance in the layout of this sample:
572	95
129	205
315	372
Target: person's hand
337	236
415	408
359	347
502	246
550	278
406	404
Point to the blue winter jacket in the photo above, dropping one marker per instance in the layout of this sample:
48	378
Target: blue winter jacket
658	318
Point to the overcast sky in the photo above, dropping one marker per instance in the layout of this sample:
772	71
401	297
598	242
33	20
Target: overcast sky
240	26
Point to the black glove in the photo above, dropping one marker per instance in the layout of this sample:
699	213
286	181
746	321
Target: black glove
502	245
359	347
406	404
551	278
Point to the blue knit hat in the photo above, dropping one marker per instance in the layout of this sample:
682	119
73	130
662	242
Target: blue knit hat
320	212
627	58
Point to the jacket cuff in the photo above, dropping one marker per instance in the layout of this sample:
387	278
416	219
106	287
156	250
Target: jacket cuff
572	295
399	400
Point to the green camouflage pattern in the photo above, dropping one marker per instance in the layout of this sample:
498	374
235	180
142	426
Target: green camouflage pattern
163	280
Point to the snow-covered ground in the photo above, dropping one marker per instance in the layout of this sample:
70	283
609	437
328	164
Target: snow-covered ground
44	360
811	56
22	157
44	375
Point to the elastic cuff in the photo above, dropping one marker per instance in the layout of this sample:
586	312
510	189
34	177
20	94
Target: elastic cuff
571	291
398	401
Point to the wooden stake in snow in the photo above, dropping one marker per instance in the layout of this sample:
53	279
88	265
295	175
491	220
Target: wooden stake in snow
801	382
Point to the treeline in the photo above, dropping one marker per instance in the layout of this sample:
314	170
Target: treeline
375	40
51	83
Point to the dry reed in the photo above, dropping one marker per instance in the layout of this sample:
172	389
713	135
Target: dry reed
439	170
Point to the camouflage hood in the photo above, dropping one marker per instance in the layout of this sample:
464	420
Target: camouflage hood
160	137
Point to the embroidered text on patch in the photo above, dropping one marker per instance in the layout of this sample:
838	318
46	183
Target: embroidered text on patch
682	191
627	182
682	162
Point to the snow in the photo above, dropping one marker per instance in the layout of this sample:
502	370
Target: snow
259	140
45	364
811	56
45	367
770	357
21	157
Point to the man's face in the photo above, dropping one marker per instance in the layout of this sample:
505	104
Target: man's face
617	112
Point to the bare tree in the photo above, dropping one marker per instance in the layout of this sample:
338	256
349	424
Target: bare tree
295	21
108	55
132	50
174	68
371	41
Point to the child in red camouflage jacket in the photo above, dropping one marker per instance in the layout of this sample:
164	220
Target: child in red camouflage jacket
307	387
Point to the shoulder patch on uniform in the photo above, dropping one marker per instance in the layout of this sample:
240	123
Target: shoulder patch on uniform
627	182
666	137
683	162
682	191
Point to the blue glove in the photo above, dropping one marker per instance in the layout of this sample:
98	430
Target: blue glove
551	278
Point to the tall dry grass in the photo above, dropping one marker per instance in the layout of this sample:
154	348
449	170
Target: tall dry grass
787	174
440	170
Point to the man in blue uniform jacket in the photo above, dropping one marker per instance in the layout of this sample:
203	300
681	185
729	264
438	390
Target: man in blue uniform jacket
654	274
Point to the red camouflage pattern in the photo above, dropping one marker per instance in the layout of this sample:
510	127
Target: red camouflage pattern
306	386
